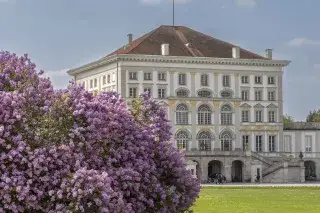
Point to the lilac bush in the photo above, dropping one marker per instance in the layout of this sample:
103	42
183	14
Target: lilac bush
73	151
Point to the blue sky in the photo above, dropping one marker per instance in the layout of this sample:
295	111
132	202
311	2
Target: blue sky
62	34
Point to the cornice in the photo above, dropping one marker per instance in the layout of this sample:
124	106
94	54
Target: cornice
179	59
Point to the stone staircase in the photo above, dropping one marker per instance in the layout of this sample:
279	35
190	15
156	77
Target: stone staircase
261	158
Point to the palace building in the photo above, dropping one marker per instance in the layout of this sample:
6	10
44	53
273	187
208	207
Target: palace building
225	103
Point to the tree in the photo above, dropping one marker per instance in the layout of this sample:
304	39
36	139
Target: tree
73	151
287	119
313	116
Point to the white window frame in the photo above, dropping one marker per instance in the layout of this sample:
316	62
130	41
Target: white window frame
226	115
133	76
109	79
272	143
245	141
226	80
258	115
204	141
204	115
91	83
258	79
271	95
245	95
147	76
161	93
245	79
259	143
308	143
148	89
271	116
133	92
204	80
182	114
245	115
161	76
95	83
271	80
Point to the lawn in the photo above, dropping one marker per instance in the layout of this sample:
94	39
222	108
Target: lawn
258	200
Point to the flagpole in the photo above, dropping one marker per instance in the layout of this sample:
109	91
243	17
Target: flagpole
172	12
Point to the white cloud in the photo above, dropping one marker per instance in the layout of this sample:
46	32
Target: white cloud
160	1
298	42
246	3
60	78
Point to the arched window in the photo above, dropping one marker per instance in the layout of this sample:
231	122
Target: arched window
226	115
182	93
108	78
182	114
226	141
204	141
182	140
204	94
204	115
226	94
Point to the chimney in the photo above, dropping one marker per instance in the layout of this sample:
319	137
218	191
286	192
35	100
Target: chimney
235	52
269	53
165	49
130	38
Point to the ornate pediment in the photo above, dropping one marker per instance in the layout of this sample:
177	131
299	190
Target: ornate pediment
245	105
258	106
272	106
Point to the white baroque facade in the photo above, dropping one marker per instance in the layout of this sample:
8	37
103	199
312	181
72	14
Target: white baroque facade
226	112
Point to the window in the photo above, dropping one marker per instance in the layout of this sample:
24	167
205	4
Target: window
204	115
258	143
245	142
226	94
258	79
113	77
147	76
272	143
204	80
182	79
108	78
104	80
259	115
182	114
258	95
182	140
132	92
91	84
271	96
182	93
287	143
308	140
132	75
245	116
245	95
271	80
272	116
245	79
226	115
204	141
161	93
226	141
95	82
226	81
162	76
148	90
204	94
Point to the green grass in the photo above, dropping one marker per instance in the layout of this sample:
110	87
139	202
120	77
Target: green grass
258	200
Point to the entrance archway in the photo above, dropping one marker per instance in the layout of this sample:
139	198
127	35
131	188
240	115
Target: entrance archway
236	171
214	167
310	170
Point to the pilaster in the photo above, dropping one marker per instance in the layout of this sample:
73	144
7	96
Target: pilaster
193	84
171	83
216	84
194	124
237	85
237	125
216	105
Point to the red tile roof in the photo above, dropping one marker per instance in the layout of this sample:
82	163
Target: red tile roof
200	45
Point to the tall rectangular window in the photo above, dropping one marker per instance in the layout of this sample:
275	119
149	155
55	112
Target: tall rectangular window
91	83
245	142
182	79
204	80
161	93
133	75
148	90
95	82
161	76
308	141
147	76
226	81
258	143
245	95
271	80
271	95
271	116
245	79
258	79
258	95
132	92
245	115
258	115
104	80
272	143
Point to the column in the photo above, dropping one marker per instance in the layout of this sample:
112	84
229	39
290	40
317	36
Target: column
237	86
171	117
265	142
237	125
204	171
194	124
216	84
285	171
253	142
193	84
171	86
227	171
140	76
302	172
217	145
